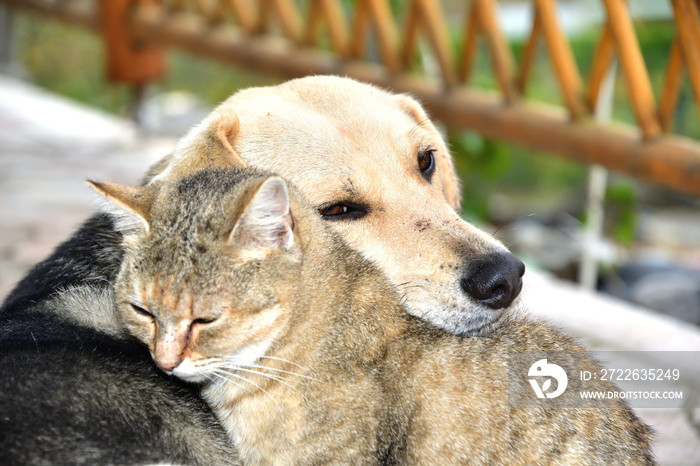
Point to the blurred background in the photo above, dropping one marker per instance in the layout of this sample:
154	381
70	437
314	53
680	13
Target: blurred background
62	119
649	250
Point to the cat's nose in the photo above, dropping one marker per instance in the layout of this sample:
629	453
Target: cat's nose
167	357
170	344
167	366
494	279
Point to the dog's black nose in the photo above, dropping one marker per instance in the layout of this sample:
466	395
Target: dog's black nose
494	279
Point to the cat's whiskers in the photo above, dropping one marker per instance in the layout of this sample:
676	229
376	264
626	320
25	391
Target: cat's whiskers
284	360
227	369
222	384
205	364
283	371
231	361
226	378
213	376
277	378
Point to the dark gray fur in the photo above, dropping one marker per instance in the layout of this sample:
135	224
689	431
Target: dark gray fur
71	394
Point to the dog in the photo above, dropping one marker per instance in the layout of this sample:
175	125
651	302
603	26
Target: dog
376	168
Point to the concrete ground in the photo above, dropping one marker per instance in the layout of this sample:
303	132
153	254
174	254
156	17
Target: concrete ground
49	146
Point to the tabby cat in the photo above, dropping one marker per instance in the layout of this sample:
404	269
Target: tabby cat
304	351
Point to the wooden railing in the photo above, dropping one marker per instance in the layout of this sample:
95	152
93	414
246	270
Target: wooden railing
273	36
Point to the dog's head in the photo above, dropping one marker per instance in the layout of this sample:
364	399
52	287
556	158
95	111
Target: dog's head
378	171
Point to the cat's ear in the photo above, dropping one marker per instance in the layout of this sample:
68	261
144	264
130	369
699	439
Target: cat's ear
129	207
266	224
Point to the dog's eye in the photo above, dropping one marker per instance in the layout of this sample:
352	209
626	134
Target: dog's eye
141	311
426	162
343	211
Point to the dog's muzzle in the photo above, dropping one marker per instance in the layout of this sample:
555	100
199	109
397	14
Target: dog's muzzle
494	279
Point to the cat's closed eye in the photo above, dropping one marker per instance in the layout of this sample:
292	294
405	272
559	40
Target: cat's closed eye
141	311
204	320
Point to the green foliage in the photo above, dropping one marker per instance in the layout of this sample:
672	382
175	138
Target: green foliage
478	164
69	61
488	167
66	60
622	201
211	81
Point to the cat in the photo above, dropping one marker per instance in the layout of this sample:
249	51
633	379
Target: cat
74	389
305	352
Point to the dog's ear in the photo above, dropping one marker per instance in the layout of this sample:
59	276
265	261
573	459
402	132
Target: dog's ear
226	128
448	175
207	145
411	106
129	207
266	224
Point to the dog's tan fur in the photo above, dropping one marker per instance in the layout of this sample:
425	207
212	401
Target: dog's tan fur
338	140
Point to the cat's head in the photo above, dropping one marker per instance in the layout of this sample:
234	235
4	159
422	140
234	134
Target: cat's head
209	270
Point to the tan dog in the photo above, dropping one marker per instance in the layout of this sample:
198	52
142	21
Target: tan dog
376	168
